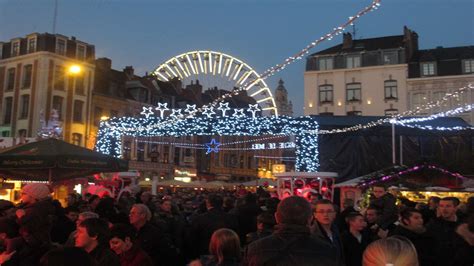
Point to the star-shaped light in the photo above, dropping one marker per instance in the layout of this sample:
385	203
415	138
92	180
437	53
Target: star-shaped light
162	107
224	107
190	109
253	108
209	111
238	113
213	146
175	113
147	111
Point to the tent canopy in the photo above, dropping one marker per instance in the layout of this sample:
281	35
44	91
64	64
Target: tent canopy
56	159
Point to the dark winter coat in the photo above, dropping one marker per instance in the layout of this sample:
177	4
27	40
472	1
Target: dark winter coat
318	232
135	257
353	249
444	234
103	256
156	244
464	246
290	245
204	225
423	242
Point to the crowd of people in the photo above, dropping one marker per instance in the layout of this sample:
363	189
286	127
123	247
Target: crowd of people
199	228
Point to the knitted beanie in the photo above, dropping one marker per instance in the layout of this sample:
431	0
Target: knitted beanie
36	190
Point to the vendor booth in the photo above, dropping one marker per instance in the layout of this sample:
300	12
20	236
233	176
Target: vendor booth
306	185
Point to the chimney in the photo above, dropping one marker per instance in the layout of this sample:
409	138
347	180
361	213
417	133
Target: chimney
103	63
346	41
128	70
410	39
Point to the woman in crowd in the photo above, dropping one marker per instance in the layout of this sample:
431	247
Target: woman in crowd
394	251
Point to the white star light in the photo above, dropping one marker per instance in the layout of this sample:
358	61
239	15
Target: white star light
209	111
147	111
190	109
176	113
238	113
253	108
224	107
162	107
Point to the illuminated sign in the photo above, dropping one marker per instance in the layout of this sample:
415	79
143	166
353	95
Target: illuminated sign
273	146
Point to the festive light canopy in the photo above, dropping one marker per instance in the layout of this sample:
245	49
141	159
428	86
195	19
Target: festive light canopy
305	130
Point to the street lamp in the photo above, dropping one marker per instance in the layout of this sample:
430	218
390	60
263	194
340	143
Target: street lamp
75	69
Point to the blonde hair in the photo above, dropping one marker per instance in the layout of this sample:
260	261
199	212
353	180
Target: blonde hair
396	251
224	243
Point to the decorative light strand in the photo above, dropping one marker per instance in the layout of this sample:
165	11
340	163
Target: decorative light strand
278	67
404	114
367	183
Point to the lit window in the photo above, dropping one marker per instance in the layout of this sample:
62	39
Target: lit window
352	61
390	58
77	139
418	100
354	113
428	69
468	66
390	87
58	105
325	93
391	112
353	91
325	63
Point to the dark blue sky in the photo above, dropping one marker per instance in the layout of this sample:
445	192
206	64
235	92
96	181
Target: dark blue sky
144	33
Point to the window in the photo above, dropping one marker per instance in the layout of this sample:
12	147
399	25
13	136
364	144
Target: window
80	85
326	113
61	46
81	52
58	106
10	79
77	114
354	113
27	73
353	92
25	102
418	100
127	147
468	66
390	89
16	48
6	133
390	58
352	61
7	110
391	112
77	139
428	69
325	63
438	96
32	45
59	78
154	154
141	151
97	115
325	93
22	133
166	154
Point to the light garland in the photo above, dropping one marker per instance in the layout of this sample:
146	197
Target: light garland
410	113
109	137
409	170
278	67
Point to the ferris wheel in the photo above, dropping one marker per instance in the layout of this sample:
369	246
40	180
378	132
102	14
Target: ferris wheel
220	70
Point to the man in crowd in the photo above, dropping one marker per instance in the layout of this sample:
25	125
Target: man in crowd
205	224
291	242
443	229
411	226
355	240
151	238
93	236
323	225
385	202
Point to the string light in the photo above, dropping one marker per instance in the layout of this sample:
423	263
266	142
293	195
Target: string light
298	56
304	129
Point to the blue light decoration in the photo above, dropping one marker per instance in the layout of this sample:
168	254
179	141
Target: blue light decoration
213	146
305	129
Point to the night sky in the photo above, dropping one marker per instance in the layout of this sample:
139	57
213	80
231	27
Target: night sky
262	33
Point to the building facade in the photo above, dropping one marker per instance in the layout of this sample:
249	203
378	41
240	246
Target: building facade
360	77
433	73
35	79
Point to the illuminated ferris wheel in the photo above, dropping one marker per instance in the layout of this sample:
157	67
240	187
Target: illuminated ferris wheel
220	70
